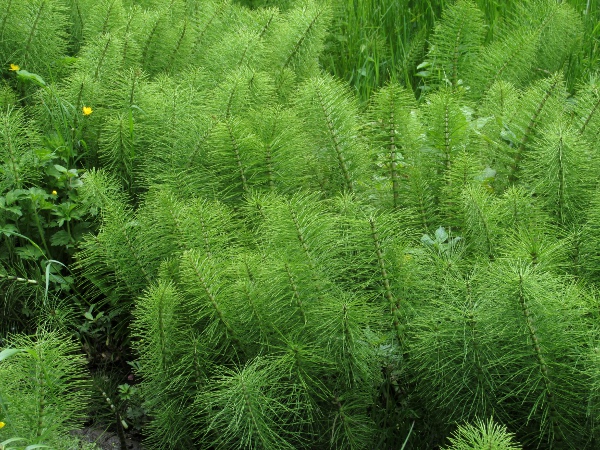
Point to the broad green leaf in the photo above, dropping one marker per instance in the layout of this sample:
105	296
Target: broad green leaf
441	235
59	238
7	353
31	77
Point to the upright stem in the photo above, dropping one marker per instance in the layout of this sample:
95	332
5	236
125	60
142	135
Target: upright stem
33	31
337	144
541	360
41	232
297	298
393	153
393	302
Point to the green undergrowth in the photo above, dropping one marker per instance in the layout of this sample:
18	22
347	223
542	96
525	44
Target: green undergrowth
318	225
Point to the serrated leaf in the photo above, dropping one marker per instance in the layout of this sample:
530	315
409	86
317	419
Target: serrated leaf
13	196
51	170
29	252
60	238
15	210
8	229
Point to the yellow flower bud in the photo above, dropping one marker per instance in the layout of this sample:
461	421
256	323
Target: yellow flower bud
2	424
87	110
54	193
14	67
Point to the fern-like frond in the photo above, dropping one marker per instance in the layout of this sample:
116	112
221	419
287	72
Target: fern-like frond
466	170
488	435
128	90
173	129
395	135
174	364
448	134
171	225
100	17
44	387
236	158
281	147
541	104
558	29
456	42
206	280
536	42
113	259
17	151
165	37
117	146
339	329
249	407
159	314
587	110
451	348
33	35
349	426
242	45
101	57
296	42
209	19
561	170
300	230
518	210
481	220
589	256
448	130
238	91
174	422
542	336
538	245
507	59
331	115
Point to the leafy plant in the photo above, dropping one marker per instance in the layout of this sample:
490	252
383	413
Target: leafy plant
44	388
301	262
482	435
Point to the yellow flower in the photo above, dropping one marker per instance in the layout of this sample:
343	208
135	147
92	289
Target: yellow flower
14	67
2	424
54	193
87	110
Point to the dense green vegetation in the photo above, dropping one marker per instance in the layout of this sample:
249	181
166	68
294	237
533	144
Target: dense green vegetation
300	224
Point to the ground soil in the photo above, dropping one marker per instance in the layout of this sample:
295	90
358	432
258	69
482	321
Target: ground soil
106	440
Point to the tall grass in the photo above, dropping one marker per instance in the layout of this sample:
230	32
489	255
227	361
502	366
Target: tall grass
376	41
373	42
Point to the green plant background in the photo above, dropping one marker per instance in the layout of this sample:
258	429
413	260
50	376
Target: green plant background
303	224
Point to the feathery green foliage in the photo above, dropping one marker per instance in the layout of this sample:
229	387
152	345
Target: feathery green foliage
44	387
456	42
18	151
298	261
33	35
487	435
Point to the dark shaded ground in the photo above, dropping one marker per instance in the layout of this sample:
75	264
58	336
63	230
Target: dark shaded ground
106	440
